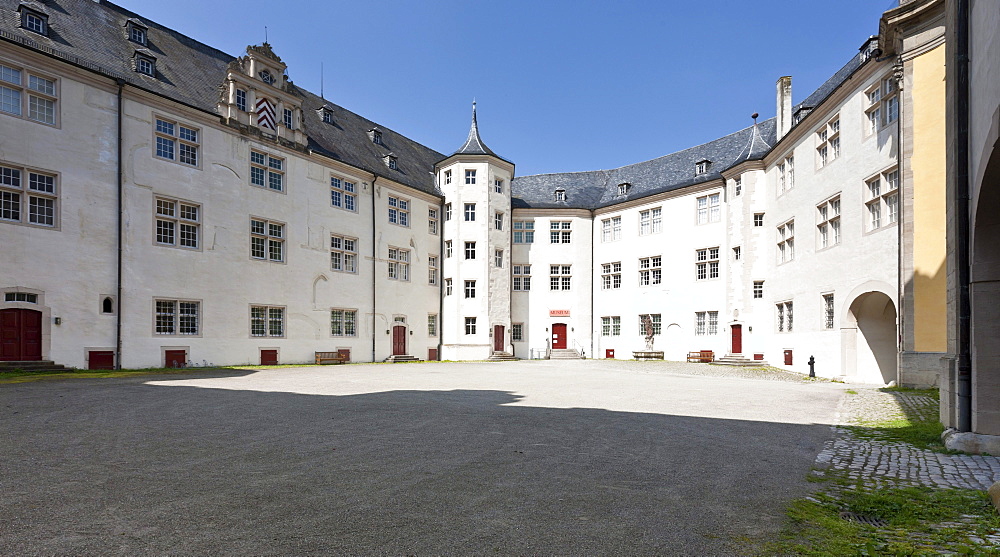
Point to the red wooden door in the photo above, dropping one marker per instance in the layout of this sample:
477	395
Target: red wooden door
498	340
20	335
268	357
175	358
398	340
559	335
432	354
345	353
101	359
737	338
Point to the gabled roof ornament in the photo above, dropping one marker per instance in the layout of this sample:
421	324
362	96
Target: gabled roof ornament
474	145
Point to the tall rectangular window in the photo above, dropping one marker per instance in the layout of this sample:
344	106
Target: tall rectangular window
559	232
828	142
758	219
758	289
286	118
447	287
828	320
267	171
447	177
28	201
399	211
470	250
470	325
559	277
786	242
708	209
611	275
177	223
784	310
241	100
882	195
343	254
343	322
470	177
517	332
498	185
267	321
432	221
399	264
177	317
498	221
343	194
432	269
883	105
447	212
524	231
611	229
470	212
267	240
522	278
611	326
498	258
447	249
24	93
650	270
707	263
828	217
470	289
176	142
432	325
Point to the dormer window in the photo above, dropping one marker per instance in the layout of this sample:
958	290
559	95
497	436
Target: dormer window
377	137
145	64
390	161
267	77
560	195
624	188
34	21
701	167
136	32
327	115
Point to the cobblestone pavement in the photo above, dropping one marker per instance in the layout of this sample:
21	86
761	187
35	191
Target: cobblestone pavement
882	463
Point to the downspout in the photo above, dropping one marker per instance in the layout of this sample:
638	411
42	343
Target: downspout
121	233
964	370
442	221
374	269
897	71
593	322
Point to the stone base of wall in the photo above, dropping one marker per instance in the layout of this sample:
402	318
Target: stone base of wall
921	370
974	443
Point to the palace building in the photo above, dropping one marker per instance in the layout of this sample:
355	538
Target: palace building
164	203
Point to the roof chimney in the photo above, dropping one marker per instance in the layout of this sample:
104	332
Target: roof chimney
784	108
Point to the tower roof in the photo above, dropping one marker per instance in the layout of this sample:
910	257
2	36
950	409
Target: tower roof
474	145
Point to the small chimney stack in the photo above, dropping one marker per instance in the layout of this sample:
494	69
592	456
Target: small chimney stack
784	102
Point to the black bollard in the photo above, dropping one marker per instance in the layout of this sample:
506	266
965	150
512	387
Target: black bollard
812	367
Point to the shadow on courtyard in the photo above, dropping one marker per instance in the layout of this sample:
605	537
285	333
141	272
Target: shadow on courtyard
124	467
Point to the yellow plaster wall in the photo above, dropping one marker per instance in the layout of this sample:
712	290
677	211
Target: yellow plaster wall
928	166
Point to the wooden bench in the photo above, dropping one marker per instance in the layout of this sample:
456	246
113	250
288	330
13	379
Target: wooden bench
701	356
322	358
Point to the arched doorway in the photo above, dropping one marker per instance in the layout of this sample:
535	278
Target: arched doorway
20	335
873	316
984	299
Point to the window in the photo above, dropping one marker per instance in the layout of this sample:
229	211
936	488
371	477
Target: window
267	171
758	219
267	240
737	186
559	232
560	195
38	101
399	211
447	176
828	215
177	223
706	323
702	167
343	194
758	289
650	221
707	264
624	188
377	137
432	325
828	143
786	242
524	231
390	161
470	325
786	175
343	322
447	211
522	278
883	105
343	254
708	209
654	318
33	21
241	100
176	317
399	264
432	269
611	229
447	249
447	287
470	177
517	332
498	221
176	142
470	250
560	276
470	212
32	201
432	221
736	253
470	289
611	275
611	326
828	311
267	321
498	258
26	297
327	116
145	64
498	185
287	118
650	271
136	33
784	317
883	199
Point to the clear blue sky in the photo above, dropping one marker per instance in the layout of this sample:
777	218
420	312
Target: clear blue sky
561	86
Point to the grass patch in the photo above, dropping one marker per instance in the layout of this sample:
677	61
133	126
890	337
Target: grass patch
851	392
918	425
920	521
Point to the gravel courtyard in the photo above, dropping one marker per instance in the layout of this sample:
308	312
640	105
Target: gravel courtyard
531	457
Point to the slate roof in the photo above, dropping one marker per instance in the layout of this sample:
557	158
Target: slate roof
474	144
92	35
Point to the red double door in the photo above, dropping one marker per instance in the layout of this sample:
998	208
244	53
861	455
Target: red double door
20	335
559	335
398	340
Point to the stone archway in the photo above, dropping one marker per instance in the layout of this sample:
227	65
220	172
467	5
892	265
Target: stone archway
869	338
984	298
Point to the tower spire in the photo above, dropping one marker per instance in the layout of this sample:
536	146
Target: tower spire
474	144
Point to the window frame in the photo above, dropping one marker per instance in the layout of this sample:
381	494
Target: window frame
47	90
828	215
469	212
611	275
343	194
347	327
521	277
344	254
269	239
650	270
177	221
469	289
433	221
785	233
470	325
266	321
470	251
829	311
828	142
881	201
560	277
432	270
398	211
710	211
176	317
30	200
470	176
177	140
707	263
560	232
398	264
523	231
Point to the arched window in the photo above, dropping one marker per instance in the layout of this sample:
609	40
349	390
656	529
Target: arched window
107	305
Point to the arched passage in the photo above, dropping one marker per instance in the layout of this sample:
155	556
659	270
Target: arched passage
984	297
869	338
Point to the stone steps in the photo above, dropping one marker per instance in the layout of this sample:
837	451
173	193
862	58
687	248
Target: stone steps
34	365
402	359
501	357
738	360
564	354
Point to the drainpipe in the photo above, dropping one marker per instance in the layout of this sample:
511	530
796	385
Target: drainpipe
121	233
593	323
374	269
964	379
897	71
441	259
